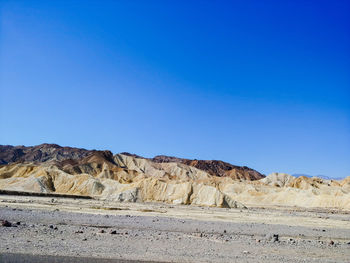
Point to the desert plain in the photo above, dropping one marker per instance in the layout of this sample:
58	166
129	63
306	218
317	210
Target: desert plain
157	232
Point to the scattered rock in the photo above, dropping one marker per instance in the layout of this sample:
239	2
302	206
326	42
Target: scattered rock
102	231
5	223
79	232
331	243
272	237
113	232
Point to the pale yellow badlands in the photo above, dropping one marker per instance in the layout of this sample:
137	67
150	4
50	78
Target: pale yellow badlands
140	180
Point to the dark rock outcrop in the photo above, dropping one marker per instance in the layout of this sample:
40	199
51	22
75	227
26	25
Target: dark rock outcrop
40	153
75	160
215	167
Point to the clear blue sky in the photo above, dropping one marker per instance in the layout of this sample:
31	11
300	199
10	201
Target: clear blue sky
259	83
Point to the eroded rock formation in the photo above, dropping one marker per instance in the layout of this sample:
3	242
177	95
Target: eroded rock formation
49	168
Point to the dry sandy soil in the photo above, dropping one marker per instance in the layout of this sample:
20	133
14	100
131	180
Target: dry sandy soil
67	228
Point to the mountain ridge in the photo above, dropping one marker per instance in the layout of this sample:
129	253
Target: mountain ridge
53	152
50	168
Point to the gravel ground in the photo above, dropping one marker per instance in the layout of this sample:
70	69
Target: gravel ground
165	233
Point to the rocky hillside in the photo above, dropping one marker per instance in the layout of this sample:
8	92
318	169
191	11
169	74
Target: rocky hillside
215	168
50	168
53	152
41	153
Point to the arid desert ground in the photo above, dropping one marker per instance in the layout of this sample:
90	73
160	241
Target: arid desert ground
86	228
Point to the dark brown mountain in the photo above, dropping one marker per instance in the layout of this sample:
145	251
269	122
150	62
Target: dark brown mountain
40	153
71	160
215	167
76	159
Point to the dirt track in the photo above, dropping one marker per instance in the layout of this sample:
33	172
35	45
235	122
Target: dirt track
158	232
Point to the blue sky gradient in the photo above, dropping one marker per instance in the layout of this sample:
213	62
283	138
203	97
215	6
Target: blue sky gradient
264	84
